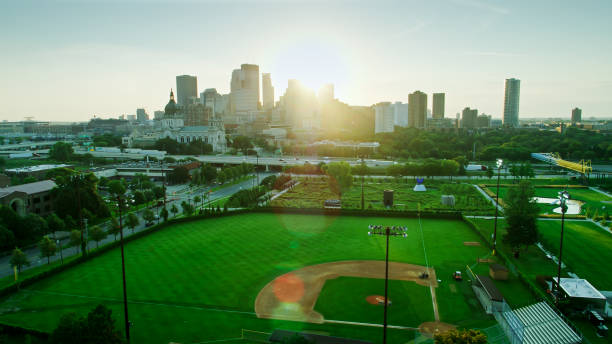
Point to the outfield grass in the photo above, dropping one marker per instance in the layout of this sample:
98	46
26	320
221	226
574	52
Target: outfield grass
587	249
198	281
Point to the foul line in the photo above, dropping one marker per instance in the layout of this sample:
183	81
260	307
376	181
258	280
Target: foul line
138	302
370	324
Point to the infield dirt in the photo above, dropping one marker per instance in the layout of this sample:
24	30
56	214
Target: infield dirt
292	296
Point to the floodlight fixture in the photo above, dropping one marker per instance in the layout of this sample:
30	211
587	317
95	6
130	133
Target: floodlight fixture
499	163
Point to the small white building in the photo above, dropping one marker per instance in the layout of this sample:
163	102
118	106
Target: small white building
212	135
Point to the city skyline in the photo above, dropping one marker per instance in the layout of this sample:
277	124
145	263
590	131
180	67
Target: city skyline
119	60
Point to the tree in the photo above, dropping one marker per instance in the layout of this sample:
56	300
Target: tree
97	234
132	221
114	227
7	238
75	239
521	212
19	259
101	327
97	328
61	151
460	337
76	192
174	210
32	226
55	224
149	196
489	172
340	178
139	197
187	208
208	173
178	175
148	216
242	143
164	214
159	192
197	199
361	170
47	248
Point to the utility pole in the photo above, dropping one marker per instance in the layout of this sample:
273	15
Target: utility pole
499	165
125	305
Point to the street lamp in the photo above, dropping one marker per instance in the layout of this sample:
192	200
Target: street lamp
387	231
120	202
499	163
563	197
59	243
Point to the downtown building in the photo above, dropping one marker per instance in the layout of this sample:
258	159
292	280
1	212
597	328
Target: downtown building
244	89
511	103
186	89
576	115
417	110
267	91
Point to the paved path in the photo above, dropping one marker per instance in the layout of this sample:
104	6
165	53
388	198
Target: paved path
180	194
499	207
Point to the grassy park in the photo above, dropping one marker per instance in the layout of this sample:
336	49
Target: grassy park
197	281
311	193
592	199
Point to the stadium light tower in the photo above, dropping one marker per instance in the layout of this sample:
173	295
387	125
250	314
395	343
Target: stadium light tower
387	232
499	163
563	197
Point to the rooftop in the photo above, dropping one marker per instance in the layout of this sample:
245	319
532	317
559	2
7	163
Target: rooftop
30	188
36	168
576	287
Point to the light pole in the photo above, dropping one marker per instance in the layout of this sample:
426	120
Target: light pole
387	231
125	305
499	163
59	243
563	197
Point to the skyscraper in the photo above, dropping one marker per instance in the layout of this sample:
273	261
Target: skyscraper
576	115
244	87
186	89
326	93
511	103
469	118
384	114
438	106
141	115
268	91
417	109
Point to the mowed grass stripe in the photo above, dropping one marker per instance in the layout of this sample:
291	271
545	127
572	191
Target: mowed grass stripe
226	261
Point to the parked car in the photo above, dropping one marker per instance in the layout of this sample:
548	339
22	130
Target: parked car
457	276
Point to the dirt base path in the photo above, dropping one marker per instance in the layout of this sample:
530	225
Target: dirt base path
293	295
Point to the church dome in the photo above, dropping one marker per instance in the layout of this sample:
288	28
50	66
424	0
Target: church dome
171	107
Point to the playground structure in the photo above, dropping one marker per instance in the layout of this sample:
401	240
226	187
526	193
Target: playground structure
583	166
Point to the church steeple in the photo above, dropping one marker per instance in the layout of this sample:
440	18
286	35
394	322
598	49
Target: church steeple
170	109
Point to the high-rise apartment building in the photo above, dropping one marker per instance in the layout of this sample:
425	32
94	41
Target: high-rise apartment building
384	114
576	115
268	91
438	106
511	103
218	103
417	110
299	105
244	95
186	89
469	118
483	121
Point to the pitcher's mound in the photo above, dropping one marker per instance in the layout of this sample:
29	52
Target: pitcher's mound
430	328
377	300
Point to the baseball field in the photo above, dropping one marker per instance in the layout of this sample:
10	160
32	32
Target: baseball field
209	279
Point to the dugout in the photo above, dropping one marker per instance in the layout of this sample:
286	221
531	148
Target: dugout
487	293
279	336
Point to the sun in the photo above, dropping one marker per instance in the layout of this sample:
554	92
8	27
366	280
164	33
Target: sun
313	62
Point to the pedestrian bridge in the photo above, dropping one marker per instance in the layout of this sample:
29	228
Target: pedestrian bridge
583	166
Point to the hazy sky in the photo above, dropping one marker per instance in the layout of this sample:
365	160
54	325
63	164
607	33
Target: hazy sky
68	60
